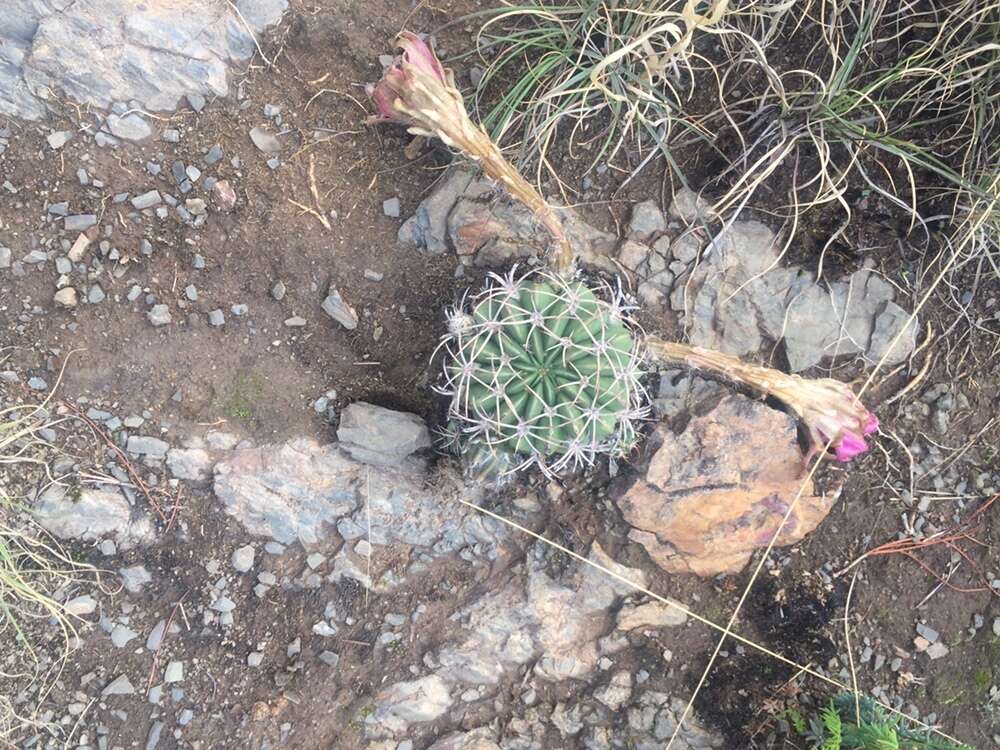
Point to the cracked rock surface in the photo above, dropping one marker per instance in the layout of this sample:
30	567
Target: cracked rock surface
154	55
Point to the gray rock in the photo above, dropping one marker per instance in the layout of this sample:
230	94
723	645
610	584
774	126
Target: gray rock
5	257
121	635
153	738
171	135
329	658
927	632
159	315
216	318
119	686
95	294
214	155
153	54
293	491
191	292
391	207
79	222
892	321
64	265
80	605
278	290
335	306
58	138
427	229
134	578
197	102
155	638
255	659
174	672
381	436
90	516
264	141
151	447
405	703
194	464
37	384
129	128
647	220
147	200
223	604
243	557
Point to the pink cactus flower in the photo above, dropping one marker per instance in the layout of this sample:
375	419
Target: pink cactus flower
415	71
834	415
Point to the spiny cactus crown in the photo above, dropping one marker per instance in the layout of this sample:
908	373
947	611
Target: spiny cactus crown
541	370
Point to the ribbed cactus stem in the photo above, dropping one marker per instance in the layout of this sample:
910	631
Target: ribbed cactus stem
541	370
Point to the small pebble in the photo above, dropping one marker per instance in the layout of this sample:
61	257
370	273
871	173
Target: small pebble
216	318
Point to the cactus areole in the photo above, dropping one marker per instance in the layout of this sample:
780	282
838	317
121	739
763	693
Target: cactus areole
542	370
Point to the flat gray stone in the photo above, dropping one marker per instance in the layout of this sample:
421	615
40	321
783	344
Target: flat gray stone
159	315
381	436
90	515
147	200
265	141
119	686
131	127
335	306
134	578
194	464
145	445
79	222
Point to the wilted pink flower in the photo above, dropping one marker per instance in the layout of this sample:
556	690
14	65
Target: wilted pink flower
416	90
839	419
829	409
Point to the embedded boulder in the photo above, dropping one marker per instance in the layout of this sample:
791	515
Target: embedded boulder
715	493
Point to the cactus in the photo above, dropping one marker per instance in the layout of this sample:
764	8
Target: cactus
542	370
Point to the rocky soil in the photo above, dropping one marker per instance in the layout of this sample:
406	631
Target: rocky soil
225	292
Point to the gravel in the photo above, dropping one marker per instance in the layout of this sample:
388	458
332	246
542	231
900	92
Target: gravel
174	672
243	557
391	208
159	315
264	141
119	686
147	200
216	318
121	635
79	222
335	306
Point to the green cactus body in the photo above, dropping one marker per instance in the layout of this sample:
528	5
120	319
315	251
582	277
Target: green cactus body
543	370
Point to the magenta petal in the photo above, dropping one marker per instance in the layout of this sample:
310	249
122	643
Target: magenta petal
871	424
850	445
418	54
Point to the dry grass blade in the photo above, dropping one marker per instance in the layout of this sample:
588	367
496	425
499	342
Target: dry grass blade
32	566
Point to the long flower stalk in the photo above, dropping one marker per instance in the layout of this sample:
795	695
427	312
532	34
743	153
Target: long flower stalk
834	416
417	91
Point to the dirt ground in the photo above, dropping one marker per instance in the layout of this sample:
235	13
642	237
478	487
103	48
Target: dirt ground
258	378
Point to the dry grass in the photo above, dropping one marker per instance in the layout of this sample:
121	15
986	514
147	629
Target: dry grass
33	569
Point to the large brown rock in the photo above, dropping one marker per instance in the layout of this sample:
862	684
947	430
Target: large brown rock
718	491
